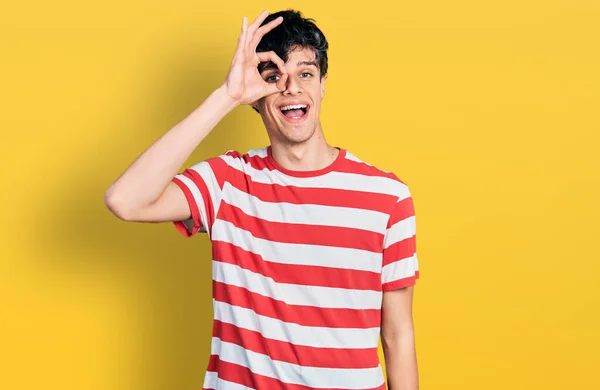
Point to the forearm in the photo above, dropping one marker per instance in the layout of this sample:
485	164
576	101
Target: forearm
400	359
146	179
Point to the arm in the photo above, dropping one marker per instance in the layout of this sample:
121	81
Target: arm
399	274
398	339
145	191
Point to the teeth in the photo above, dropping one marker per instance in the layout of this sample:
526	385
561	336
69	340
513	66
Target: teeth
293	107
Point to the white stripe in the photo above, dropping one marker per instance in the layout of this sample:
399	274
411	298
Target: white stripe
333	180
318	377
400	269
311	336
405	193
204	170
206	173
198	199
352	157
311	214
226	385
260	152
212	381
302	254
399	231
293	294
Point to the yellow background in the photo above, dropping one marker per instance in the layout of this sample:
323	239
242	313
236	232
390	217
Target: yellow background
488	110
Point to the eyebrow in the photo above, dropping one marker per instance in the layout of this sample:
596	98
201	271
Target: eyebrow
308	63
271	65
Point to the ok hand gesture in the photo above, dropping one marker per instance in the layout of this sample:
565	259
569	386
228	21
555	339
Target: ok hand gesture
243	83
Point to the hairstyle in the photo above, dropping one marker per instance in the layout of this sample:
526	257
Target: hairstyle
295	32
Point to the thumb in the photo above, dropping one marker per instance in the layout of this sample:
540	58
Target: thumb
279	86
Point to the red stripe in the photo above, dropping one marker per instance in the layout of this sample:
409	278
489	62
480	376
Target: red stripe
220	168
296	354
297	233
401	283
305	275
361	168
402	210
344	165
195	177
194	211
258	162
319	196
242	375
298	314
399	250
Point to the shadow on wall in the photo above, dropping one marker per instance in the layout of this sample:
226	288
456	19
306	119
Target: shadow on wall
169	276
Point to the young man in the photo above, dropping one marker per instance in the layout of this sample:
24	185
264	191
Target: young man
313	249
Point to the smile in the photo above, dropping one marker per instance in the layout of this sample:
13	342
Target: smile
295	113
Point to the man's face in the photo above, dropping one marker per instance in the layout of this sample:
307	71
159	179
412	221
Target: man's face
292	116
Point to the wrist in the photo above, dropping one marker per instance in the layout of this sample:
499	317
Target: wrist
222	94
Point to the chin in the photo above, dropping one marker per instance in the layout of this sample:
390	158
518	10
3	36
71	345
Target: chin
298	137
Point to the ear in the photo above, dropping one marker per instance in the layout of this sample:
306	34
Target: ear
323	79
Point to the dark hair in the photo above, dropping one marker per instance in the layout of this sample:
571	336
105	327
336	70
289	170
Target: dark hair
294	32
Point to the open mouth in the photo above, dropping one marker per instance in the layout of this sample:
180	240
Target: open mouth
295	112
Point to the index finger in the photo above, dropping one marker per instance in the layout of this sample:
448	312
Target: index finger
258	21
263	30
242	39
271	56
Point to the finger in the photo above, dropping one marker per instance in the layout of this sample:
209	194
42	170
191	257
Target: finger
279	86
239	51
257	22
282	82
271	56
263	30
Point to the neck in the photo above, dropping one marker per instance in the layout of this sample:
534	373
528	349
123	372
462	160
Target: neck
314	154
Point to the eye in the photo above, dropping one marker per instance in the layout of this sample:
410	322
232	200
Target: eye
272	78
306	74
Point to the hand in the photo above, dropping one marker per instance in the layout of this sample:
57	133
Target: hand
243	83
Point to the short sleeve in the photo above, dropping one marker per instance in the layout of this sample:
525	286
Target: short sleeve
202	185
400	265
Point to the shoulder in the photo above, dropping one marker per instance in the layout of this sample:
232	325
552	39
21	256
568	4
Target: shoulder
235	157
252	153
383	180
249	161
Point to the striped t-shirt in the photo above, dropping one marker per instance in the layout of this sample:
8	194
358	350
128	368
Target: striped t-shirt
300	263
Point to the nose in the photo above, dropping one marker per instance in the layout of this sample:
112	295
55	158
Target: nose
292	87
